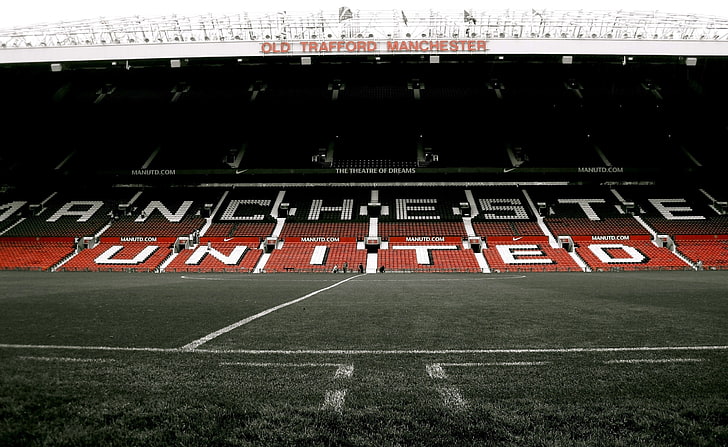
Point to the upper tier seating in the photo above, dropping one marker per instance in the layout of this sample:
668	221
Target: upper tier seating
170	213
420	229
246	229
420	204
573	226
507	228
244	212
678	211
318	204
70	215
357	230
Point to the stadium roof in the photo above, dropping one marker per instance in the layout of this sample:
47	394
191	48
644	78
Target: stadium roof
347	32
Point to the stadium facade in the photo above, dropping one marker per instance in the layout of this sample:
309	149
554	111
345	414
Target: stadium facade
476	141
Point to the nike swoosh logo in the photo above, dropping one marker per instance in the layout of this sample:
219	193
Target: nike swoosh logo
517	238
228	239
508	169
240	171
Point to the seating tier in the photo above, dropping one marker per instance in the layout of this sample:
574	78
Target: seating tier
33	255
298	256
132	256
638	255
226	257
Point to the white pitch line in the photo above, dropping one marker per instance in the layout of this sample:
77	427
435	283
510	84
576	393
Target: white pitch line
486	278
459	351
495	364
676	360
66	359
228	277
201	341
87	348
284	365
373	351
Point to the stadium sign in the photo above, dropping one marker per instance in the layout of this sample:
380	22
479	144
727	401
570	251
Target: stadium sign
373	46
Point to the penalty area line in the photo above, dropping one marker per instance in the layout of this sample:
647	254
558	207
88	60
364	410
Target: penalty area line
201	341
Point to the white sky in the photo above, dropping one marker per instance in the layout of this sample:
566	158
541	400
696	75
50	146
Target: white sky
29	12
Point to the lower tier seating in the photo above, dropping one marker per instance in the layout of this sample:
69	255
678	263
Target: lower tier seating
33	255
712	254
529	256
431	257
315	257
216	257
629	255
123	256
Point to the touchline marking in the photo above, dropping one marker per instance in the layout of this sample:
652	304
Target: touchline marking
66	359
372	351
459	351
496	364
486	278
201	341
202	278
677	360
228	277
87	348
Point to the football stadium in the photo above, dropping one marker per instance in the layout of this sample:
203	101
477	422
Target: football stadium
370	228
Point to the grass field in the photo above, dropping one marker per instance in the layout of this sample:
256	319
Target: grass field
366	360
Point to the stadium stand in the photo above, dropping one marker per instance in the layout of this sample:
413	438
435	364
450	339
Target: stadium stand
295	256
217	257
529	256
427	256
526	162
34	253
629	255
121	257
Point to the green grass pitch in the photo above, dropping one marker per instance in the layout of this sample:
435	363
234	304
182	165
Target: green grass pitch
364	360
